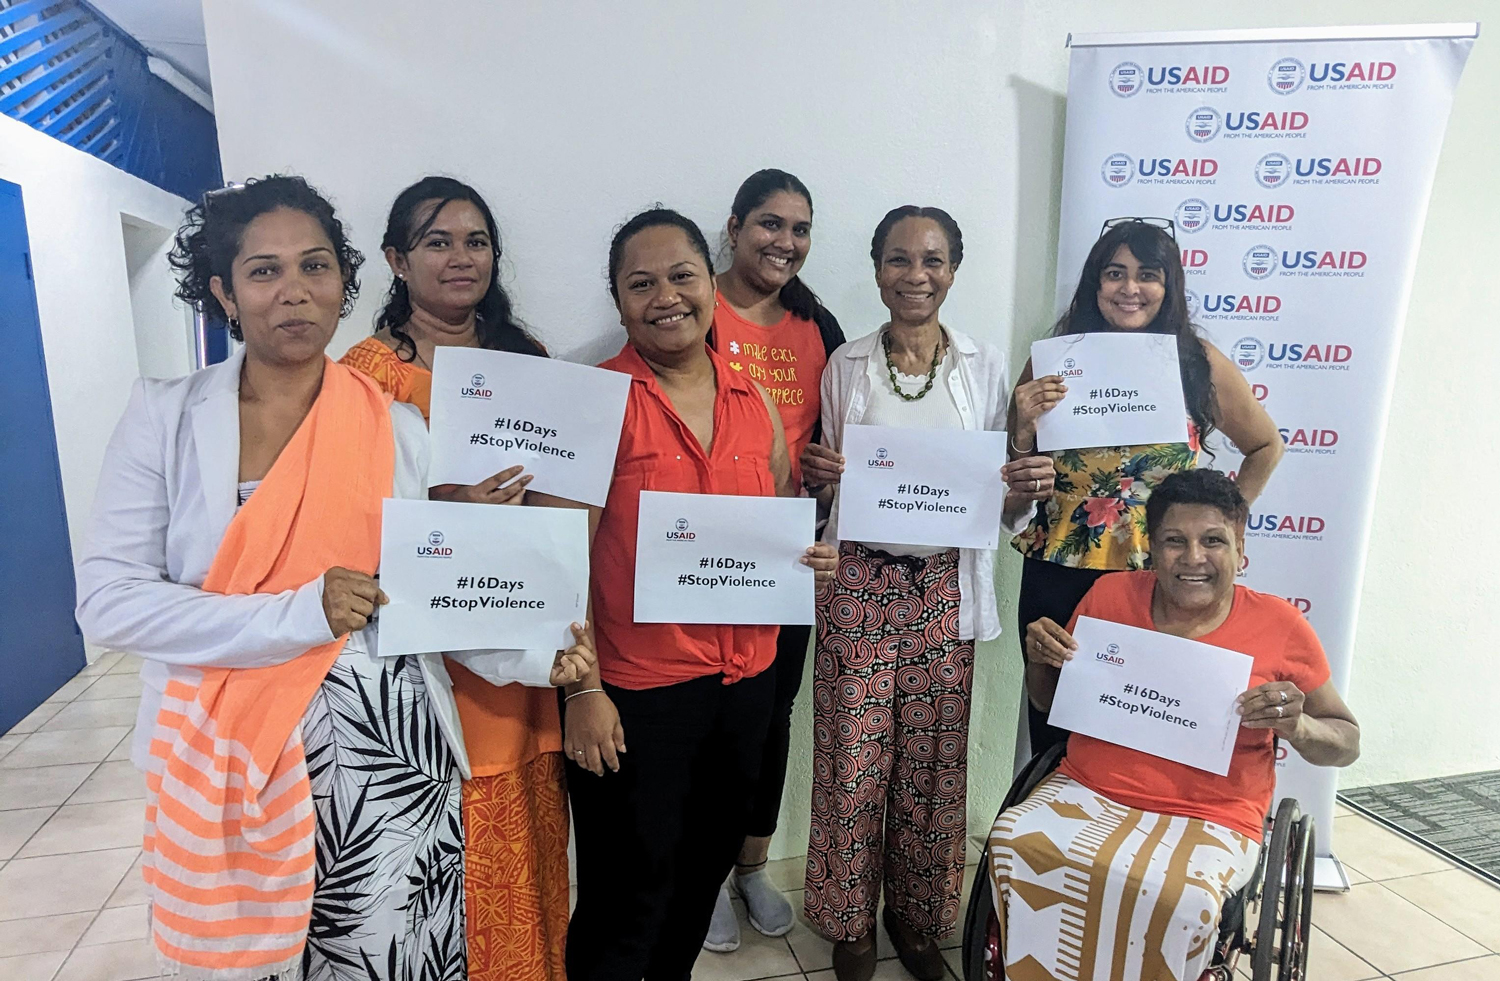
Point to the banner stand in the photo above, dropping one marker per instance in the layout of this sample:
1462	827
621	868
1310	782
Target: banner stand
1296	166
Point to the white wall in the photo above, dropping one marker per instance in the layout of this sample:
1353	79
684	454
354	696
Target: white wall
75	205
572	115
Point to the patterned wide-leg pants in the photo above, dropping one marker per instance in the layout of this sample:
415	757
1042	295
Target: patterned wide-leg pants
891	689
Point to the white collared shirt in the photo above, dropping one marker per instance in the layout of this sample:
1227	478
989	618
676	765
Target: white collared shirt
166	495
979	385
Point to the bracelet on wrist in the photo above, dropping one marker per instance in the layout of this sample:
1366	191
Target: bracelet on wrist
586	691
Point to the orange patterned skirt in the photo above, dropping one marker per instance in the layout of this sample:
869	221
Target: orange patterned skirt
516	872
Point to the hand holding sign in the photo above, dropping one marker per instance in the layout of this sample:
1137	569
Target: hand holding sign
1122	389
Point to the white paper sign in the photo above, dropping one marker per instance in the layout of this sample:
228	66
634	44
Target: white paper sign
1153	692
721	558
1123	390
470	576
494	409
937	487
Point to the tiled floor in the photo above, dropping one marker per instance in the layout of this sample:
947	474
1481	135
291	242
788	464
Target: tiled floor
72	907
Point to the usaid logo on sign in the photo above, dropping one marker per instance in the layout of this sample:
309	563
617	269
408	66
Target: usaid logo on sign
1248	353
1260	262
1286	76
1111	655
882	460
1203	124
475	389
1194	303
1192	215
1273	170
1116	171
434	549
1127	79
1295	527
680	532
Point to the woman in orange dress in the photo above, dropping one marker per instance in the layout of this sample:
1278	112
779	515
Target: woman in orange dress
443	247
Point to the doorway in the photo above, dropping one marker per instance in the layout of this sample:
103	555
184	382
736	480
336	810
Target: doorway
40	646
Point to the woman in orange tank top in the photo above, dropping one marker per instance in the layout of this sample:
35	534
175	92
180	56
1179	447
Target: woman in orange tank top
773	329
444	249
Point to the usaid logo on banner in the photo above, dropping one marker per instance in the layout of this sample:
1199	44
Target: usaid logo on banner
1286	76
1241	306
1203	124
1317	442
1192	215
1265	125
1260	262
1250	353
475	389
1127	79
1294	527
1323	262
1111	655
1346	75
1116	171
1273	170
882	460
1336	170
1177	170
1249	217
434	549
680	532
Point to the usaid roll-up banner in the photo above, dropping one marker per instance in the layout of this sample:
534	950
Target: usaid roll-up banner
1296	166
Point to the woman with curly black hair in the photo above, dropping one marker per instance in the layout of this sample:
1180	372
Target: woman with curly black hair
302	813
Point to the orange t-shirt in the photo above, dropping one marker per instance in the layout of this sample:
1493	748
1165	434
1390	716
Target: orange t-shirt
505	726
787	359
1285	648
659	453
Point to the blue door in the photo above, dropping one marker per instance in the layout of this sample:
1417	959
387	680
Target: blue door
40	647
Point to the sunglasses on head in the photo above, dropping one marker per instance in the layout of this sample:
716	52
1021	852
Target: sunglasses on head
1165	224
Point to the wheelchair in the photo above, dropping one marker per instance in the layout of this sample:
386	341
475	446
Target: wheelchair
1279	891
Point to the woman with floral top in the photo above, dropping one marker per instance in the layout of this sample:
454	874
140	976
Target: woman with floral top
1095	519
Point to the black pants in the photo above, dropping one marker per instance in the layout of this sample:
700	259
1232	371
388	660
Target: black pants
791	659
656	839
1053	591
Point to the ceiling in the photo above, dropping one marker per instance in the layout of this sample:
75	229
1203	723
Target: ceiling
169	29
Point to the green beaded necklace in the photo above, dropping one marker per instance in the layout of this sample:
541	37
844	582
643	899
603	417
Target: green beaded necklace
890	366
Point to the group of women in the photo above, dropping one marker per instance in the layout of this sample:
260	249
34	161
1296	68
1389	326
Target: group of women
314	809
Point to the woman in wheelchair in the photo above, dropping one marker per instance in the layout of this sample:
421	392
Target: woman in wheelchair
1118	865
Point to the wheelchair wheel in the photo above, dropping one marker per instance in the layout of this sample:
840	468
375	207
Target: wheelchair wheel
1296	918
1276	866
982	931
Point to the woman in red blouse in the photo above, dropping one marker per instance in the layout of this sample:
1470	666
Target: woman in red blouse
658	828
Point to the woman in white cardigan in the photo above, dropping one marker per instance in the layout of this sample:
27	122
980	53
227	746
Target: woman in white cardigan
187	454
895	651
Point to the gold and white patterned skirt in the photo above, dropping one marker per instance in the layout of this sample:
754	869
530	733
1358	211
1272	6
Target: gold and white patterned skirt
1089	889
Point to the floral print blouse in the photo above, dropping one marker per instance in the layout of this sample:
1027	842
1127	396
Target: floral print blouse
1096	517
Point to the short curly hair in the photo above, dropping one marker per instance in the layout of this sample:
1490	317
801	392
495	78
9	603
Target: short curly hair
213	232
1210	488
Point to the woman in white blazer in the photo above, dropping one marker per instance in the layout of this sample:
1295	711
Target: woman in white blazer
894	663
188	452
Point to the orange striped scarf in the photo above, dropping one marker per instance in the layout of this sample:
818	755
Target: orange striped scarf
230	828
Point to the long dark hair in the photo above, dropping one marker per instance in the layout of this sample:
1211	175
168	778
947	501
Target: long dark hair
1154	249
496	325
214	229
795	296
657	217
